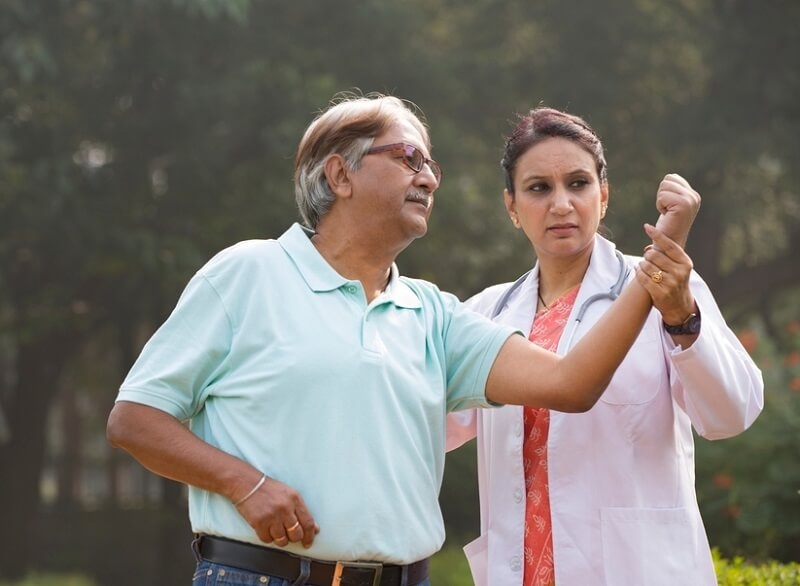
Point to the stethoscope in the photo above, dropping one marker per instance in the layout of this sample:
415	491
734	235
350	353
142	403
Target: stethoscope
612	294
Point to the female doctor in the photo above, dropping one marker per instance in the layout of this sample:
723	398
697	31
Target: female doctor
604	497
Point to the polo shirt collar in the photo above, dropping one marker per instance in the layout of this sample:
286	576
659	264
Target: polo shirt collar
320	276
399	292
314	269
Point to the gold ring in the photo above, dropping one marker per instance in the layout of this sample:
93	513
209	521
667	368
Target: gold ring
657	276
293	527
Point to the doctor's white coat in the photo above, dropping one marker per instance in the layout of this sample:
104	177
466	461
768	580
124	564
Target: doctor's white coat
621	476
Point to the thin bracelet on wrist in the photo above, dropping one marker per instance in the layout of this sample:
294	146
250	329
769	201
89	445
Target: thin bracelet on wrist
253	490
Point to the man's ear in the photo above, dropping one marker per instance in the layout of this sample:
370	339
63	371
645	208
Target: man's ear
338	176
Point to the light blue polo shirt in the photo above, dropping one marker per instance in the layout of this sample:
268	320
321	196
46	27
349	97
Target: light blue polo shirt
274	357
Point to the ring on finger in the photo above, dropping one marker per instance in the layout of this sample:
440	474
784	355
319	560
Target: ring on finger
293	527
657	276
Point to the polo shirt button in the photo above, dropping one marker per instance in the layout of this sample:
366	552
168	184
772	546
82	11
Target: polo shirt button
222	572
351	288
263	579
515	564
210	572
518	495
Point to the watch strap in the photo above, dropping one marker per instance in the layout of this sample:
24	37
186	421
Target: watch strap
689	326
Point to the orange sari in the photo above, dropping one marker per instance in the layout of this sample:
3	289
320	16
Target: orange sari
539	568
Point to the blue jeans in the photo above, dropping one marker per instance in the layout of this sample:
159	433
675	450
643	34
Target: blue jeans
211	574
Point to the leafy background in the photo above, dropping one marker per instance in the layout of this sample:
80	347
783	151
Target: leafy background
138	138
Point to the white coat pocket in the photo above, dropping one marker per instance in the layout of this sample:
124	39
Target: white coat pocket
648	547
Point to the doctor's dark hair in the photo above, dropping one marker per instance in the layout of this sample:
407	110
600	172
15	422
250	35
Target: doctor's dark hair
542	123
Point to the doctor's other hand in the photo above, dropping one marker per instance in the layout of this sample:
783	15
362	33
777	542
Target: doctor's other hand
678	204
664	273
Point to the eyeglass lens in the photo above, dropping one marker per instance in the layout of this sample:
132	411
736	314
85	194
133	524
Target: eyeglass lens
416	160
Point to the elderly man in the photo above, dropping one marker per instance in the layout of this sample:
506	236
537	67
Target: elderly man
315	379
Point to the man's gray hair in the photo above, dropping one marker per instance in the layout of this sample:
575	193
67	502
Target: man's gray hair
347	128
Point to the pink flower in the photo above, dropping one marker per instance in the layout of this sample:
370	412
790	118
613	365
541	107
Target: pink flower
722	480
732	510
749	340
792	358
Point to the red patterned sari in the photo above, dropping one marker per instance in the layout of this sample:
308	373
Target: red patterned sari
539	571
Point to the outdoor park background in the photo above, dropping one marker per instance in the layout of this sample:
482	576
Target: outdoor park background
138	138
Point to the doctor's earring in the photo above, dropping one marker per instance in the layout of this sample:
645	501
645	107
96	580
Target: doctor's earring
515	221
603	209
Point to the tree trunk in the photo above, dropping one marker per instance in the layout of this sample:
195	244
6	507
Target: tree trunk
39	365
69	465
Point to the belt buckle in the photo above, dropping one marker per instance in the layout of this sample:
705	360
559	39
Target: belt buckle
377	567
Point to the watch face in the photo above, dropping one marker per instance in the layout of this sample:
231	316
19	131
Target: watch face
690	326
693	325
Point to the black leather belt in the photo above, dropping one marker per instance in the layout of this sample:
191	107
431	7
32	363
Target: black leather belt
274	562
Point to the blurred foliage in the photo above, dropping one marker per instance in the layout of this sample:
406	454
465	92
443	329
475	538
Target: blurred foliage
51	580
449	567
136	139
737	572
749	486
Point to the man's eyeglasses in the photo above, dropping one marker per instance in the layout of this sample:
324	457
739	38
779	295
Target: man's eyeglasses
412	157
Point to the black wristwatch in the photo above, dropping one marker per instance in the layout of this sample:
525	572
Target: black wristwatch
690	326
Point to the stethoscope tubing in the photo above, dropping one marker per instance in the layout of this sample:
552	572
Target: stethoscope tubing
612	294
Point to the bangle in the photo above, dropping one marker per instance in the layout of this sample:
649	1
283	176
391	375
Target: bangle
253	490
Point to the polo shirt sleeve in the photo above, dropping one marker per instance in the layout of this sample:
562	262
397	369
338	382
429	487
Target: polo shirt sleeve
185	355
472	343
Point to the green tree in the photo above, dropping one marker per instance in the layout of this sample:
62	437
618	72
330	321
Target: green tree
90	238
136	139
750	485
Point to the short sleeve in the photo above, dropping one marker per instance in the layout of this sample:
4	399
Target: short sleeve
472	344
184	356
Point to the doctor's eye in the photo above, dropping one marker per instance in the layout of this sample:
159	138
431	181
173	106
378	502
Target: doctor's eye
538	187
